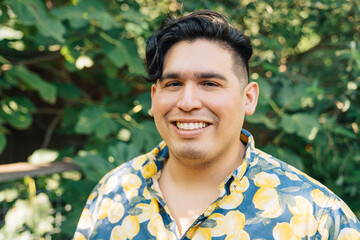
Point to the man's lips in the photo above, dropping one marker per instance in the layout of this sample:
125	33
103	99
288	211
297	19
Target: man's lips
193	125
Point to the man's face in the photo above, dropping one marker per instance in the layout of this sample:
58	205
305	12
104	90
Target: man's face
200	103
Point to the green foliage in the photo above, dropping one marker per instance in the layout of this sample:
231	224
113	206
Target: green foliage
85	61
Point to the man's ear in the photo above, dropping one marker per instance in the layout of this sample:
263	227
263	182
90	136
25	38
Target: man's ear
153	90
251	93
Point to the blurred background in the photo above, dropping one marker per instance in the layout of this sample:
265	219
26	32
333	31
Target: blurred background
74	103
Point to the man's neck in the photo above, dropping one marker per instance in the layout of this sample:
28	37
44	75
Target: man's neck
210	175
189	191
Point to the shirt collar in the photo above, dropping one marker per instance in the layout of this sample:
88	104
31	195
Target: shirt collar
160	154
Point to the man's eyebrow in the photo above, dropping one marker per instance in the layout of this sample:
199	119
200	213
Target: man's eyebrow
170	76
206	75
198	75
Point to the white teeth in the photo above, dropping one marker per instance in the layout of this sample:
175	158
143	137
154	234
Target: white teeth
191	126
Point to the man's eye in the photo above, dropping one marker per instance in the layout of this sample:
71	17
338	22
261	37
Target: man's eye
173	84
210	84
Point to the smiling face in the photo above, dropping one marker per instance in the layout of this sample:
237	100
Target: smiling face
200	102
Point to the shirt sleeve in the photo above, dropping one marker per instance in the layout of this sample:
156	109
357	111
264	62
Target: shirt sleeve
339	223
88	216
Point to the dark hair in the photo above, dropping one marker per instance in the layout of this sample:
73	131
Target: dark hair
201	24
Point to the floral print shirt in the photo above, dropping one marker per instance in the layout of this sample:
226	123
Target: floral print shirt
264	198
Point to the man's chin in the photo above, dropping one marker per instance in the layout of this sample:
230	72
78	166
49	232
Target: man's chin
192	157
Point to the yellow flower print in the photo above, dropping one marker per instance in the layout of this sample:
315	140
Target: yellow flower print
267	199
130	226
202	234
153	153
297	171
210	209
146	193
322	229
131	181
268	158
304	225
117	233
104	208
239	234
233	221
320	198
302	205
292	176
148	210
79	236
85	219
283	231
92	196
111	183
242	186
164	234
116	212
131	184
219	229
154	224
149	169
349	234
138	162
347	211
264	179
232	201
273	211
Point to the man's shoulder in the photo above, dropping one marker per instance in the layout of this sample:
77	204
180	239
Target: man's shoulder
289	179
296	189
136	170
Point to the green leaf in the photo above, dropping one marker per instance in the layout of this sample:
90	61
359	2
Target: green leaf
25	10
209	223
290	189
343	131
285	155
106	127
2	142
260	116
136	199
118	55
136	64
46	90
123	152
89	120
290	96
105	20
125	53
68	90
303	124
51	27
93	166
117	86
265	91
135	211
33	12
16	113
75	14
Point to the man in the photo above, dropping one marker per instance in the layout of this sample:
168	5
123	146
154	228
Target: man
207	180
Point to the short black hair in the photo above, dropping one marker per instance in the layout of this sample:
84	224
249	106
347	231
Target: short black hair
204	24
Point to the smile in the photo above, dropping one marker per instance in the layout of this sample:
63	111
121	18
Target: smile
191	125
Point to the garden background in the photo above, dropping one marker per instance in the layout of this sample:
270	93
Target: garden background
72	87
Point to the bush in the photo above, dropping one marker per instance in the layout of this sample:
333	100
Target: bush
76	67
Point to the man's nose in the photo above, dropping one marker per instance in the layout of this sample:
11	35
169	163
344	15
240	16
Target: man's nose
189	98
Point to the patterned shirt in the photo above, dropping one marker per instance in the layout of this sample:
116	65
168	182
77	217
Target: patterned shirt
264	198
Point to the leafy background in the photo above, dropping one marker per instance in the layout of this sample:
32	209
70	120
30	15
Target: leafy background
71	85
